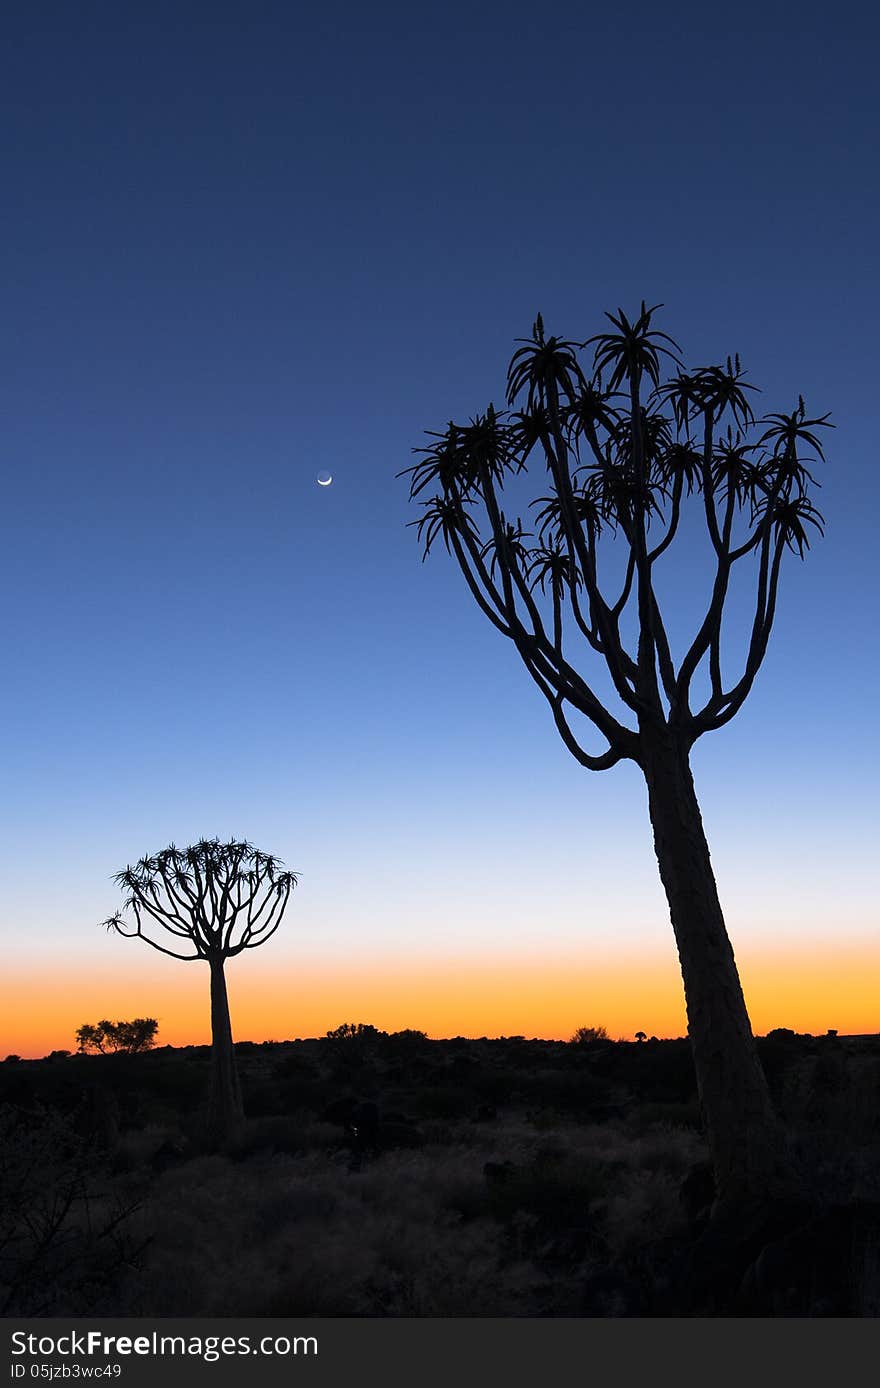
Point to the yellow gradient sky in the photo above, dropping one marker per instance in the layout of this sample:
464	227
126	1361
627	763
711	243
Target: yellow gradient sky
526	994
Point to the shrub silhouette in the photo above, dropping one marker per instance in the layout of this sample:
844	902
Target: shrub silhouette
64	1240
355	1031
584	1035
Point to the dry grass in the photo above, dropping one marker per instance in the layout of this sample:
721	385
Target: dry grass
505	1178
410	1233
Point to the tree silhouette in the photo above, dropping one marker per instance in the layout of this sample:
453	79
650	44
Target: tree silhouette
219	898
128	1037
624	451
355	1031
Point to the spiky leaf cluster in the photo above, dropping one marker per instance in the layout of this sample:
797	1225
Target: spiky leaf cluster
219	898
623	449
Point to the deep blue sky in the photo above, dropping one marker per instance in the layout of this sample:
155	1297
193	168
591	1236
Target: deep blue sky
242	243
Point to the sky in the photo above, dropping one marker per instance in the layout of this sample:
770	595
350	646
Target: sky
245	244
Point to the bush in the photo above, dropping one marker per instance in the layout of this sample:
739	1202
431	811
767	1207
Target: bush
443	1101
64	1238
407	1042
584	1035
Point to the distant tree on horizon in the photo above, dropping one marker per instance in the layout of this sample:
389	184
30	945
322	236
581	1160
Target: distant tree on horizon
219	898
623	451
355	1031
127	1037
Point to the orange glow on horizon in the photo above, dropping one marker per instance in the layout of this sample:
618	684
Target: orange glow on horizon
531	996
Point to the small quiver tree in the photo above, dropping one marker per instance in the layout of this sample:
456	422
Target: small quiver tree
210	902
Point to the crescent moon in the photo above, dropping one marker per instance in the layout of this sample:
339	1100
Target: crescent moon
324	479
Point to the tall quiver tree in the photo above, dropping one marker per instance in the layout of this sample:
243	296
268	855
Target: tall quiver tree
623	451
212	901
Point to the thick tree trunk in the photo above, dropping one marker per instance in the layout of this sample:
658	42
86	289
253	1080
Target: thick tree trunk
225	1110
745	1140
